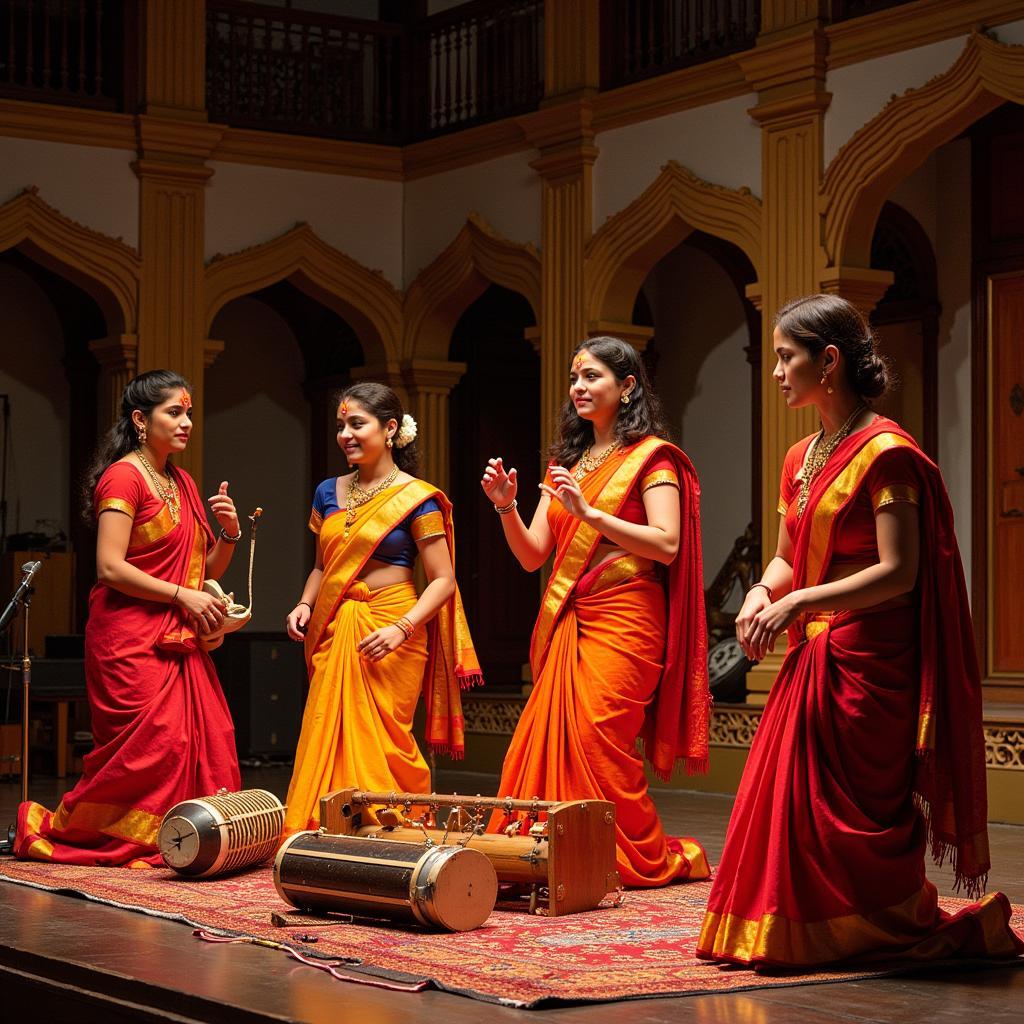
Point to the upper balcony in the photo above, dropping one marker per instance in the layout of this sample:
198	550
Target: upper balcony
283	69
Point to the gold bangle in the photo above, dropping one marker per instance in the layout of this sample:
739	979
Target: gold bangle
505	509
768	590
405	626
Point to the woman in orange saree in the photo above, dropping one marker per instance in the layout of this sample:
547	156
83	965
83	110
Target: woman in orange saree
161	729
360	618
619	650
824	859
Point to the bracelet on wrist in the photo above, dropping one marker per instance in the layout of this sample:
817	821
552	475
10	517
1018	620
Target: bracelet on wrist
306	603
405	626
177	589
503	510
225	536
768	590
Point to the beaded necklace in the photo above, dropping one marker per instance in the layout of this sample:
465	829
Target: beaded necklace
168	492
589	463
821	452
357	495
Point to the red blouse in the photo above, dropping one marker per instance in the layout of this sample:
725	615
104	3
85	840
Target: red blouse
892	477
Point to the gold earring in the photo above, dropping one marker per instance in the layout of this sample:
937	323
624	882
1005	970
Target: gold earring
824	379
624	398
142	435
389	443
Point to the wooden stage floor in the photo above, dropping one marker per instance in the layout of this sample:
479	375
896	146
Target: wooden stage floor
84	963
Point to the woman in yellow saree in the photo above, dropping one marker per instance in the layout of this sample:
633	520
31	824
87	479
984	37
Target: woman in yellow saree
619	651
372	645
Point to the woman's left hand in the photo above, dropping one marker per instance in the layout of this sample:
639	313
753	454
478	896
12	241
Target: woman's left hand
771	622
223	509
381	642
567	491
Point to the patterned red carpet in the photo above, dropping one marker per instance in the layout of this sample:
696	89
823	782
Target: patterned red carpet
643	948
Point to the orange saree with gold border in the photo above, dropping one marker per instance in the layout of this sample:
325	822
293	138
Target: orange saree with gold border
619	652
875	717
161	728
357	724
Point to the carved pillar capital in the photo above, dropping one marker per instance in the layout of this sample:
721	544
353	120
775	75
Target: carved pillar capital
861	286
429	383
118	358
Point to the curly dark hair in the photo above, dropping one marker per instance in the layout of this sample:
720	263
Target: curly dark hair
144	393
819	320
381	402
641	418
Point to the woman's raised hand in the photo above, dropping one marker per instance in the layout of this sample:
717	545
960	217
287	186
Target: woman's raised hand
223	509
499	486
204	609
567	491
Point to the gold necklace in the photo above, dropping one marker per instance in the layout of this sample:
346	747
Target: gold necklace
357	495
820	454
169	491
588	463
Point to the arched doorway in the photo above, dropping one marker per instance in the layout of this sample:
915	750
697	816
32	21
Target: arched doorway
271	426
495	410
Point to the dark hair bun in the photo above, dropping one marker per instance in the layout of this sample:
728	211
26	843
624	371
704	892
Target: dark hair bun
871	376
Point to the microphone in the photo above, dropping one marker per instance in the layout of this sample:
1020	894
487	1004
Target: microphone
24	589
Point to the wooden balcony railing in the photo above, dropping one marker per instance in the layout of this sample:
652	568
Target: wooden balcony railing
280	69
295	71
63	51
644	38
477	62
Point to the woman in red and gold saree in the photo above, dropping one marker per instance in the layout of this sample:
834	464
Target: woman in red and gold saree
619	651
869	750
161	729
360	618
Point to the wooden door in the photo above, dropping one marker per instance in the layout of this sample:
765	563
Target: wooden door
1006	475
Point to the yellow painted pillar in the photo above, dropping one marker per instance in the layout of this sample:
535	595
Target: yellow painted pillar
562	133
429	384
118	359
787	70
174	142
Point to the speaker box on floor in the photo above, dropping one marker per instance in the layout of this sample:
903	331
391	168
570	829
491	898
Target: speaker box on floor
264	681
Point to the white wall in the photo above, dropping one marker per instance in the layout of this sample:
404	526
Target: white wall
505	191
704	383
93	186
257	438
718	142
860	91
32	374
248	205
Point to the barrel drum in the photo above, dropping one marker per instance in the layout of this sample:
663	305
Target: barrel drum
214	835
448	888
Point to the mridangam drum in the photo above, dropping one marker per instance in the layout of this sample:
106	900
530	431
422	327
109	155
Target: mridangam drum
446	887
221	833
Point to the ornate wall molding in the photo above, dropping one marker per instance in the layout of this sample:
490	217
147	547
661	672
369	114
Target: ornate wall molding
476	257
1004	746
367	301
902	136
629	244
104	267
734	726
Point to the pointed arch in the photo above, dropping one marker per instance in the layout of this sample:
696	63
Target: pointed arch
105	268
903	135
366	300
477	257
630	243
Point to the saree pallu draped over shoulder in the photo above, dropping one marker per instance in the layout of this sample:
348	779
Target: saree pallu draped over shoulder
161	728
616	658
869	751
357	724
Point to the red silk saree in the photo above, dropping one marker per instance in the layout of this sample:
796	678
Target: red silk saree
357	724
161	728
870	748
619	652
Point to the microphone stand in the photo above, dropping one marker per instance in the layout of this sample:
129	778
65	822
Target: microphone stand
26	684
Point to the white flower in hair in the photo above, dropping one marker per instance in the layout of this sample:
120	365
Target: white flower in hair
406	433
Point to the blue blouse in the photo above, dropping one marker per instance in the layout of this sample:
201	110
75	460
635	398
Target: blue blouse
399	546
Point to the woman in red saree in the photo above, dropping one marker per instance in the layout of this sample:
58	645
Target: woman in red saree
161	729
870	749
360	618
619	650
